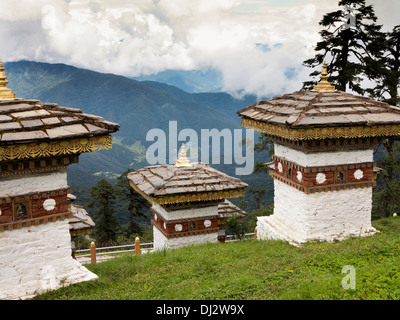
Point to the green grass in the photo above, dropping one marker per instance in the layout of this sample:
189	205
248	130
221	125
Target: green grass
251	269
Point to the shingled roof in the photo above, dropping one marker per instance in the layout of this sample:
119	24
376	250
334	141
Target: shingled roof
80	222
165	184
304	109
24	121
322	113
227	209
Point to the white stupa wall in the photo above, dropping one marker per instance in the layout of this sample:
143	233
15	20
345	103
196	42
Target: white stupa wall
15	185
324	216
36	259
161	242
330	215
327	158
187	213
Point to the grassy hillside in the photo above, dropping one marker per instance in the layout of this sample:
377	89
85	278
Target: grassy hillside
251	269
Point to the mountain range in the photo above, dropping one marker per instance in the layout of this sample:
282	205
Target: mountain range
137	106
192	81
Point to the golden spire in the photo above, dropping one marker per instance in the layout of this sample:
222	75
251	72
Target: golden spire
324	85
5	93
183	161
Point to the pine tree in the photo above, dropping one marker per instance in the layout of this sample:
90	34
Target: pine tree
348	38
358	49
385	71
137	205
102	199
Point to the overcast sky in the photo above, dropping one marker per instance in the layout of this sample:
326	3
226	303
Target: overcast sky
254	43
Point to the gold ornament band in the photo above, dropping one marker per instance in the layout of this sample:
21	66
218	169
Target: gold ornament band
54	148
190	197
321	133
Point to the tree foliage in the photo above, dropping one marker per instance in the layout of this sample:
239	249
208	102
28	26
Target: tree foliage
385	71
356	49
137	205
348	42
103	199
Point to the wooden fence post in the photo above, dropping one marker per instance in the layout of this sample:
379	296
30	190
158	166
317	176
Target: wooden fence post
137	246
255	232
92	252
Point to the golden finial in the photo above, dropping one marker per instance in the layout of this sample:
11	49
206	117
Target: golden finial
324	85
5	93
183	161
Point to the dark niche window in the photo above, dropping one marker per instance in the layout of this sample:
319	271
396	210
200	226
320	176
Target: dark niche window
192	225
340	177
20	211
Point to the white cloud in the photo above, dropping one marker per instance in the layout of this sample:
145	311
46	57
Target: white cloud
133	37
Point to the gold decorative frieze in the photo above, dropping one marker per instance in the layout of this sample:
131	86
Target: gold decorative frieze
54	148
321	133
190	197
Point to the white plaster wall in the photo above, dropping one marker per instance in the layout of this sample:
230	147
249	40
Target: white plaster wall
27	183
323	158
326	216
36	259
186	213
161	242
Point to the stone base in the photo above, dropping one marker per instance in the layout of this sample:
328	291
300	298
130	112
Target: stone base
161	242
272	227
36	259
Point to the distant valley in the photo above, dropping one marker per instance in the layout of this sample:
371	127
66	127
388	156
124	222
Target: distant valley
137	106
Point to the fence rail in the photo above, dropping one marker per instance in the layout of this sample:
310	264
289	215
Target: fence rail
106	250
105	253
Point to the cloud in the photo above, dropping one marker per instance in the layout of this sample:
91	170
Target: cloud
122	40
253	43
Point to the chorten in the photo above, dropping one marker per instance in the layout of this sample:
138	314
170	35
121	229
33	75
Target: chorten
323	167
38	141
185	199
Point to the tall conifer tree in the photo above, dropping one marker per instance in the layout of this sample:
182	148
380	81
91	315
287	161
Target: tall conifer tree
102	199
385	71
348	37
137	205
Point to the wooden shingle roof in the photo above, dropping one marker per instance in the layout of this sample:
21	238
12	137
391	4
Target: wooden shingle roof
24	121
322	113
319	109
80	222
165	184
307	110
227	209
32	129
